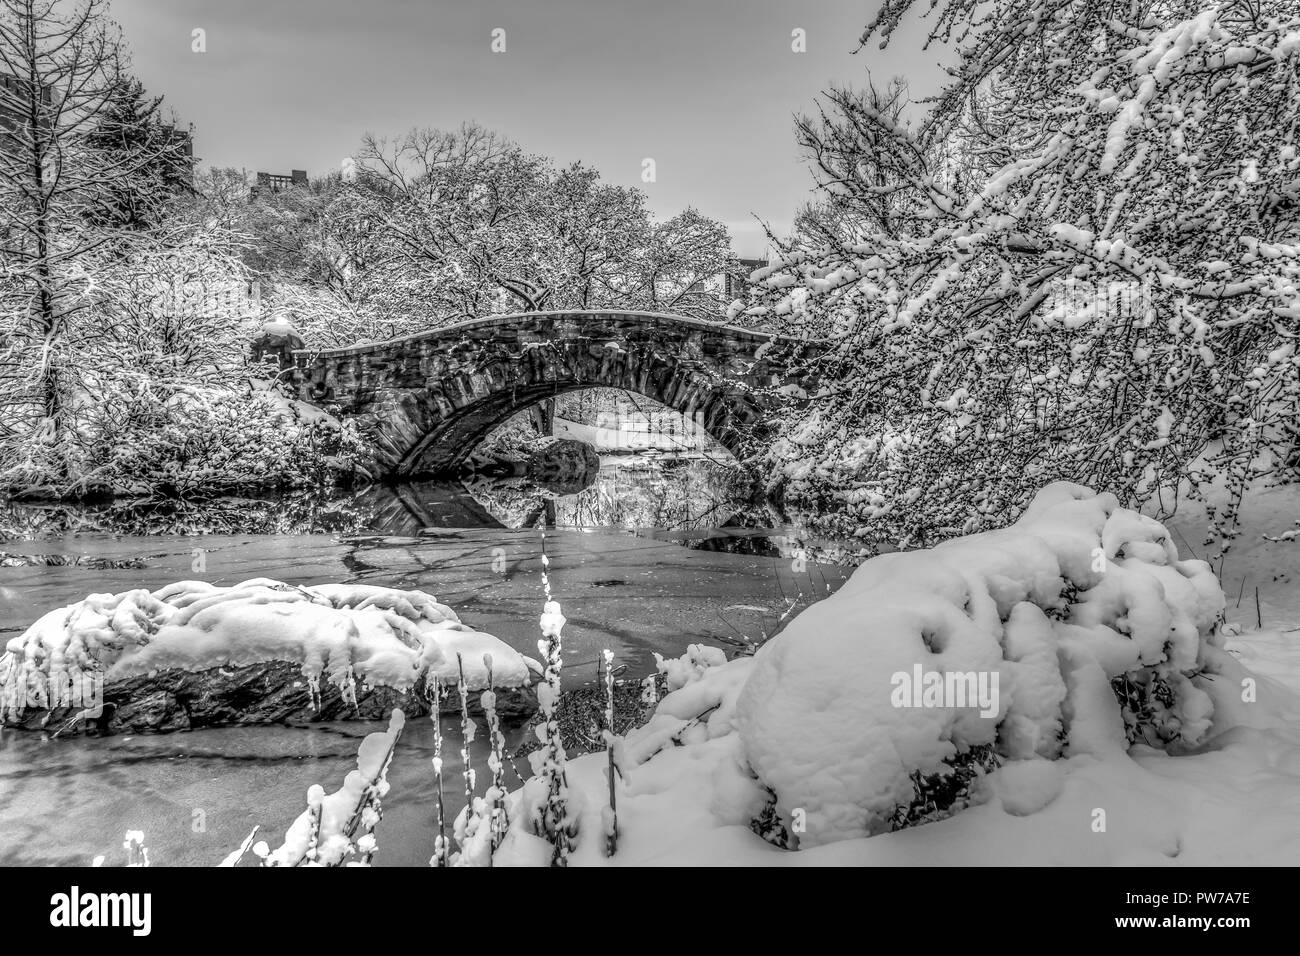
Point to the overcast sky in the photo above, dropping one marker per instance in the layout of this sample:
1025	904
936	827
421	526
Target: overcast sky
707	88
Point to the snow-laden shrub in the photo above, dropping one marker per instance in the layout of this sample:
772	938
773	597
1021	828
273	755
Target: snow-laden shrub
132	322
680	671
209	438
1077	594
136	435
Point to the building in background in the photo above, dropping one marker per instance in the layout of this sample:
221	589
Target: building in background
176	140
274	182
732	284
735	283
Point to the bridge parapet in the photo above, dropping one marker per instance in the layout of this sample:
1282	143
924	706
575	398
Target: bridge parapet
425	401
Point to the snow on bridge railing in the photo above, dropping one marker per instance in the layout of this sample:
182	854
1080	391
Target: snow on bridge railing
651	319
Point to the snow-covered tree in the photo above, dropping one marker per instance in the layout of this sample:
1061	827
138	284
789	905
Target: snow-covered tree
490	228
440	226
132	124
675	271
60	80
1080	262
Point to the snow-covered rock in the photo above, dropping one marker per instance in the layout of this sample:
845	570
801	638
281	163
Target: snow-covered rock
353	635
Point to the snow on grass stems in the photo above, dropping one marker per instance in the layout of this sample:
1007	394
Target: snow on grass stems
315	807
467	730
137	854
441	856
496	759
555	826
336	826
611	821
369	810
234	858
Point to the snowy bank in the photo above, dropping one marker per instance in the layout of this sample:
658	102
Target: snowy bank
1122	729
352	635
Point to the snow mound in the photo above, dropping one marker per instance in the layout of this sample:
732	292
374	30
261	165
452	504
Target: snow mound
1079	626
1027	786
280	327
347	632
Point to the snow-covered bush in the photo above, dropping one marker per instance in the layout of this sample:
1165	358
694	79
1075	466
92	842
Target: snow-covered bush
164	401
691	666
154	395
154	319
1076	594
209	439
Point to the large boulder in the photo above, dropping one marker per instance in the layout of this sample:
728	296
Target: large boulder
194	654
271	692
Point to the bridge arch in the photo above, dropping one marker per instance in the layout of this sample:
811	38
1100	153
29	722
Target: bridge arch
424	402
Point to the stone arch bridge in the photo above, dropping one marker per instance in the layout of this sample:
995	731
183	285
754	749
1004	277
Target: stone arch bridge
424	402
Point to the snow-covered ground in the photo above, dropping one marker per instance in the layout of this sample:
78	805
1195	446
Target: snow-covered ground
814	734
1213	779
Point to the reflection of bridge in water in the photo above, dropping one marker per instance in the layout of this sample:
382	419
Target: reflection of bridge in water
425	401
630	493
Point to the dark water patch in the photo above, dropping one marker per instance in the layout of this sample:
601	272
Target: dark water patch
12	560
682	493
297	512
760	545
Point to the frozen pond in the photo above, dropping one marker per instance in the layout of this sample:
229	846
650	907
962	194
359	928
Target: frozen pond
650	558
196	795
